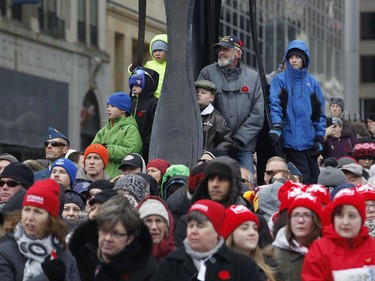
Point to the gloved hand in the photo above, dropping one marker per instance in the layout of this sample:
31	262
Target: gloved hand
54	269
237	144
275	134
133	66
317	148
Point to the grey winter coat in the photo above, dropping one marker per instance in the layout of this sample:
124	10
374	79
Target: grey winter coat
239	98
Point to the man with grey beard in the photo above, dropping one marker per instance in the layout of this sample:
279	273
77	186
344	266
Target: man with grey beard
239	97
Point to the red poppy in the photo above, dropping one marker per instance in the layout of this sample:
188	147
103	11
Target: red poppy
125	276
224	275
245	89
140	114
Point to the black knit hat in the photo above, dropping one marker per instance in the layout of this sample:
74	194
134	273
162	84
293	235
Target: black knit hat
19	172
103	196
101	184
299	53
74	197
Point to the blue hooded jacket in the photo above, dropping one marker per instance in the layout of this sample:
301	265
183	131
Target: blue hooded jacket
296	103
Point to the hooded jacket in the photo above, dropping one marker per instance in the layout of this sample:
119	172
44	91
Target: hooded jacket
158	67
144	107
121	138
297	104
134	263
333	252
167	244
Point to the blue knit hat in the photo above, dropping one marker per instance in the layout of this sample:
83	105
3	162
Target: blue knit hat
121	101
137	78
159	45
53	134
68	166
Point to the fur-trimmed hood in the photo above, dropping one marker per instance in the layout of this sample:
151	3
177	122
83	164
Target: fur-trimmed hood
223	166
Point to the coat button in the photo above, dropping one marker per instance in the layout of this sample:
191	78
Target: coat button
212	260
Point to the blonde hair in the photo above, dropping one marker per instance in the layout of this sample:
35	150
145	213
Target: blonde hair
257	256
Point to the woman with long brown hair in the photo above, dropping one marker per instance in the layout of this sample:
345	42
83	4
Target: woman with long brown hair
241	235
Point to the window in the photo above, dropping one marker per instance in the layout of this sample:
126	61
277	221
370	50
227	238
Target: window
94	23
81	21
368	25
49	21
368	69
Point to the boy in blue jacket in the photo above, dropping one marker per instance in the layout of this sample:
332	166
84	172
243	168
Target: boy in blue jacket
297	112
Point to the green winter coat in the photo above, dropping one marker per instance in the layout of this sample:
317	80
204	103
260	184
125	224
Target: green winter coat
121	138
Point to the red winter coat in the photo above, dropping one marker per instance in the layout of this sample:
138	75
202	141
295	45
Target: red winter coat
333	252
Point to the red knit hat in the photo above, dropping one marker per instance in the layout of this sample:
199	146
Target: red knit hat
98	149
44	194
349	196
235	215
287	192
214	211
319	191
367	191
160	164
307	200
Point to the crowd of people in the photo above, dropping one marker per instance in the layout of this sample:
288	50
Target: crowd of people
111	213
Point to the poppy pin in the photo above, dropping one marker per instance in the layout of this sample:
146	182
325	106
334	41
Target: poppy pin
245	89
140	114
224	275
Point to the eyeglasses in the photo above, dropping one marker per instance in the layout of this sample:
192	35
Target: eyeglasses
369	206
54	143
304	216
10	183
113	234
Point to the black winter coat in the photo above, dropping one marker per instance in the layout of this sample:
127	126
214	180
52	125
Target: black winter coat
223	265
144	108
134	263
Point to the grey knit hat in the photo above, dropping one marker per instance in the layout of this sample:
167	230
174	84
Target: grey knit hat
72	196
135	184
331	177
8	157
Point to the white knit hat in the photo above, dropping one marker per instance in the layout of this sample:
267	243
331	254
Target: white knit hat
152	207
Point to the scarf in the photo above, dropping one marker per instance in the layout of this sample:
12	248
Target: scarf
371	227
34	250
199	259
282	243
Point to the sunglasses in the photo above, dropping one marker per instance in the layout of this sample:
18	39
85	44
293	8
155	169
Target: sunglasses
9	183
54	143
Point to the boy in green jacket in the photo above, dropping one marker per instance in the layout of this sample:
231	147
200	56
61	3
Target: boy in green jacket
120	135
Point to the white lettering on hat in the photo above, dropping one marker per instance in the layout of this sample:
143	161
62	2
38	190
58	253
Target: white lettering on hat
365	188
294	192
129	157
316	188
239	209
307	196
345	192
202	207
35	199
60	161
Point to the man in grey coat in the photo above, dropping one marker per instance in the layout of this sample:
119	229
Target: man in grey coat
239	97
